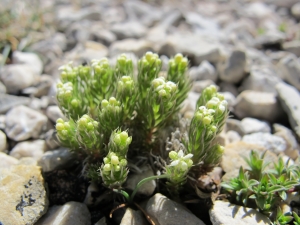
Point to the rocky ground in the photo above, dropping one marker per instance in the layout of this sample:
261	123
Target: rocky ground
249	49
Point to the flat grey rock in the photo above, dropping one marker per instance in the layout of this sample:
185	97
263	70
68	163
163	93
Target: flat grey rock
9	101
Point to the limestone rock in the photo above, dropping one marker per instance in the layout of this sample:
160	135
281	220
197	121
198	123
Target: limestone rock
290	67
290	100
296	10
28	58
34	149
53	112
71	213
132	217
252	125
259	105
205	71
199	86
3	142
23	123
292	46
22	194
9	101
7	161
130	29
227	213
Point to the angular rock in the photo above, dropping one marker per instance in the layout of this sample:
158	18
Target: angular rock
260	79
270	142
7	161
146	189
34	149
227	213
200	85
292	46
41	88
104	36
2	88
28	58
233	136
296	10
252	125
3	142
138	47
193	46
24	186
235	125
205	71
23	123
9	101
290	100
130	29
71	213
233	70
259	105
16	77
290	67
53	112
167	212
132	217
271	37
292	148
57	159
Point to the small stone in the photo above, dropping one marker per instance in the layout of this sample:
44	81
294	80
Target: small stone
7	161
167	212
205	71
259	105
146	189
57	159
292	46
130	29
104	36
233	136
132	217
233	70
290	100
268	141
41	88
138	47
228	213
3	142
290	67
71	213
252	125
271	37
199	86
30	59
2	88
24	184
235	125
17	77
53	112
34	149
296	10
23	123
9	101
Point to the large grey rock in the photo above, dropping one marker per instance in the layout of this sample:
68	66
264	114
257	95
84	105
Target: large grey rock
225	213
167	212
34	149
23	123
205	71
28	58
252	125
3	142
16	77
290	100
132	217
233	70
146	189
194	46
138	47
71	213
260	79
292	46
271	37
259	105
9	101
41	88
290	67
269	141
22	194
56	159
129	29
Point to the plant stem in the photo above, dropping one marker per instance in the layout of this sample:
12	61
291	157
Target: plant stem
124	193
144	181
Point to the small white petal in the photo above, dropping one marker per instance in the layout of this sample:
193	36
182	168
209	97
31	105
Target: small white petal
174	163
180	154
188	156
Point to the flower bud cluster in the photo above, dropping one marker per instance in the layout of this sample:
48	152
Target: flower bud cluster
179	167
87	133
66	131
165	90
67	73
114	169
124	66
177	65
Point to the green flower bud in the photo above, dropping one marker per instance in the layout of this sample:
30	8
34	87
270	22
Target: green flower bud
75	103
178	58
104	103
173	155
107	167
90	126
117	168
60	126
82	122
123	162
206	120
106	160
114	160
123	136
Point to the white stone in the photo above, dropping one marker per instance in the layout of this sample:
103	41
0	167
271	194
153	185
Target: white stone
233	136
200	85
53	112
34	149
71	213
3	142
23	123
271	142
167	212
252	125
9	101
132	217
204	71
16	77
7	161
28	58
225	213
290	67
129	29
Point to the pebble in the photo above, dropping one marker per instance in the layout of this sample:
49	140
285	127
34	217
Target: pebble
205	71
132	217
30	59
290	67
7	161
34	149
53	112
252	125
3	142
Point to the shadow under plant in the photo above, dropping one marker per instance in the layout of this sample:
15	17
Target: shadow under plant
117	115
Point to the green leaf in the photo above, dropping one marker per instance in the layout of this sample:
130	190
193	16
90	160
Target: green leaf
282	195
